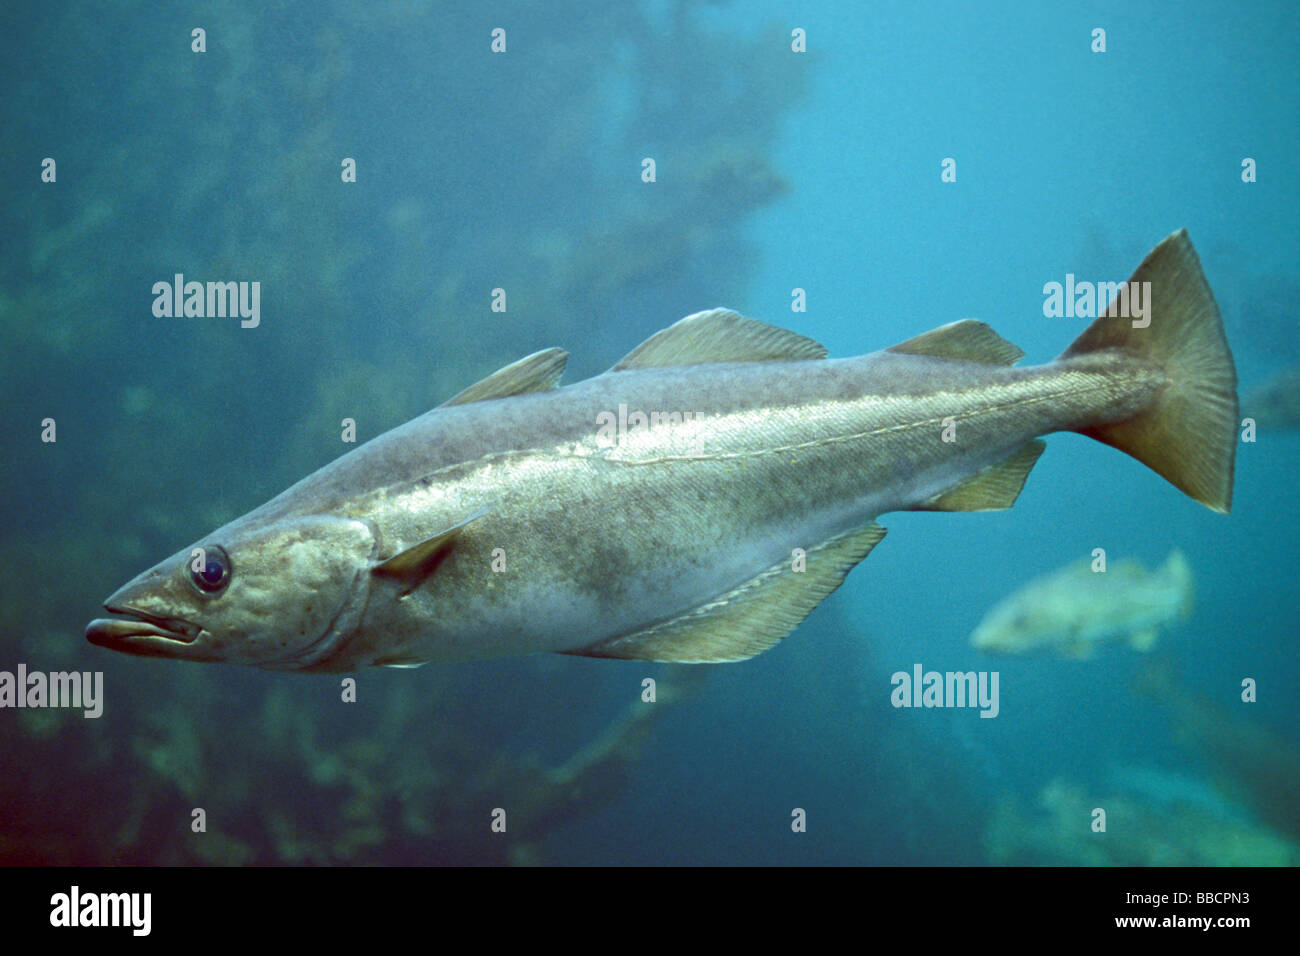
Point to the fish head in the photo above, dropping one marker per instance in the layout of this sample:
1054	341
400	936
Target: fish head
285	594
1012	629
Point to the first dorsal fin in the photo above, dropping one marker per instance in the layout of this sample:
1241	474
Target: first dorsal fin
751	618
412	566
538	372
720	335
969	340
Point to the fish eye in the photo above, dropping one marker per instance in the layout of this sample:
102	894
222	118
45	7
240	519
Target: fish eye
214	577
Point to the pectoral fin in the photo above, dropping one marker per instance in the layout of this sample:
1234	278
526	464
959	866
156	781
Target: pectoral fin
416	563
751	618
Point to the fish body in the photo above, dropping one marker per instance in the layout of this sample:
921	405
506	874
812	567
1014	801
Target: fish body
1074	610
692	504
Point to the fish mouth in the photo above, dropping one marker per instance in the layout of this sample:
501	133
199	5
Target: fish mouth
141	632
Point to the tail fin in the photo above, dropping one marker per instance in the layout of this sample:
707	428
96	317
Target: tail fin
1189	435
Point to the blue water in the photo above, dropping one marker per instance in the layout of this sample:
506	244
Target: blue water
522	170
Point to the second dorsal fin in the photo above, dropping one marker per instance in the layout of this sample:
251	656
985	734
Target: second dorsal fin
968	339
720	335
532	373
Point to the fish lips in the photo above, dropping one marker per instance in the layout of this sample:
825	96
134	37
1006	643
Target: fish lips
142	633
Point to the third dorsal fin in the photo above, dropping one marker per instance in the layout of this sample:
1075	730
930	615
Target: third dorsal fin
720	335
968	339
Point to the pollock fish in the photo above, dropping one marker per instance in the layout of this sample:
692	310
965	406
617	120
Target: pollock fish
692	504
1074	610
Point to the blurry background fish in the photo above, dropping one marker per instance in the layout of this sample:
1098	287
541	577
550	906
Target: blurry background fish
1276	403
1073	610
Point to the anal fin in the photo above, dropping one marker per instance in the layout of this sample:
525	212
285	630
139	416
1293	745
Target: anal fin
993	489
750	618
